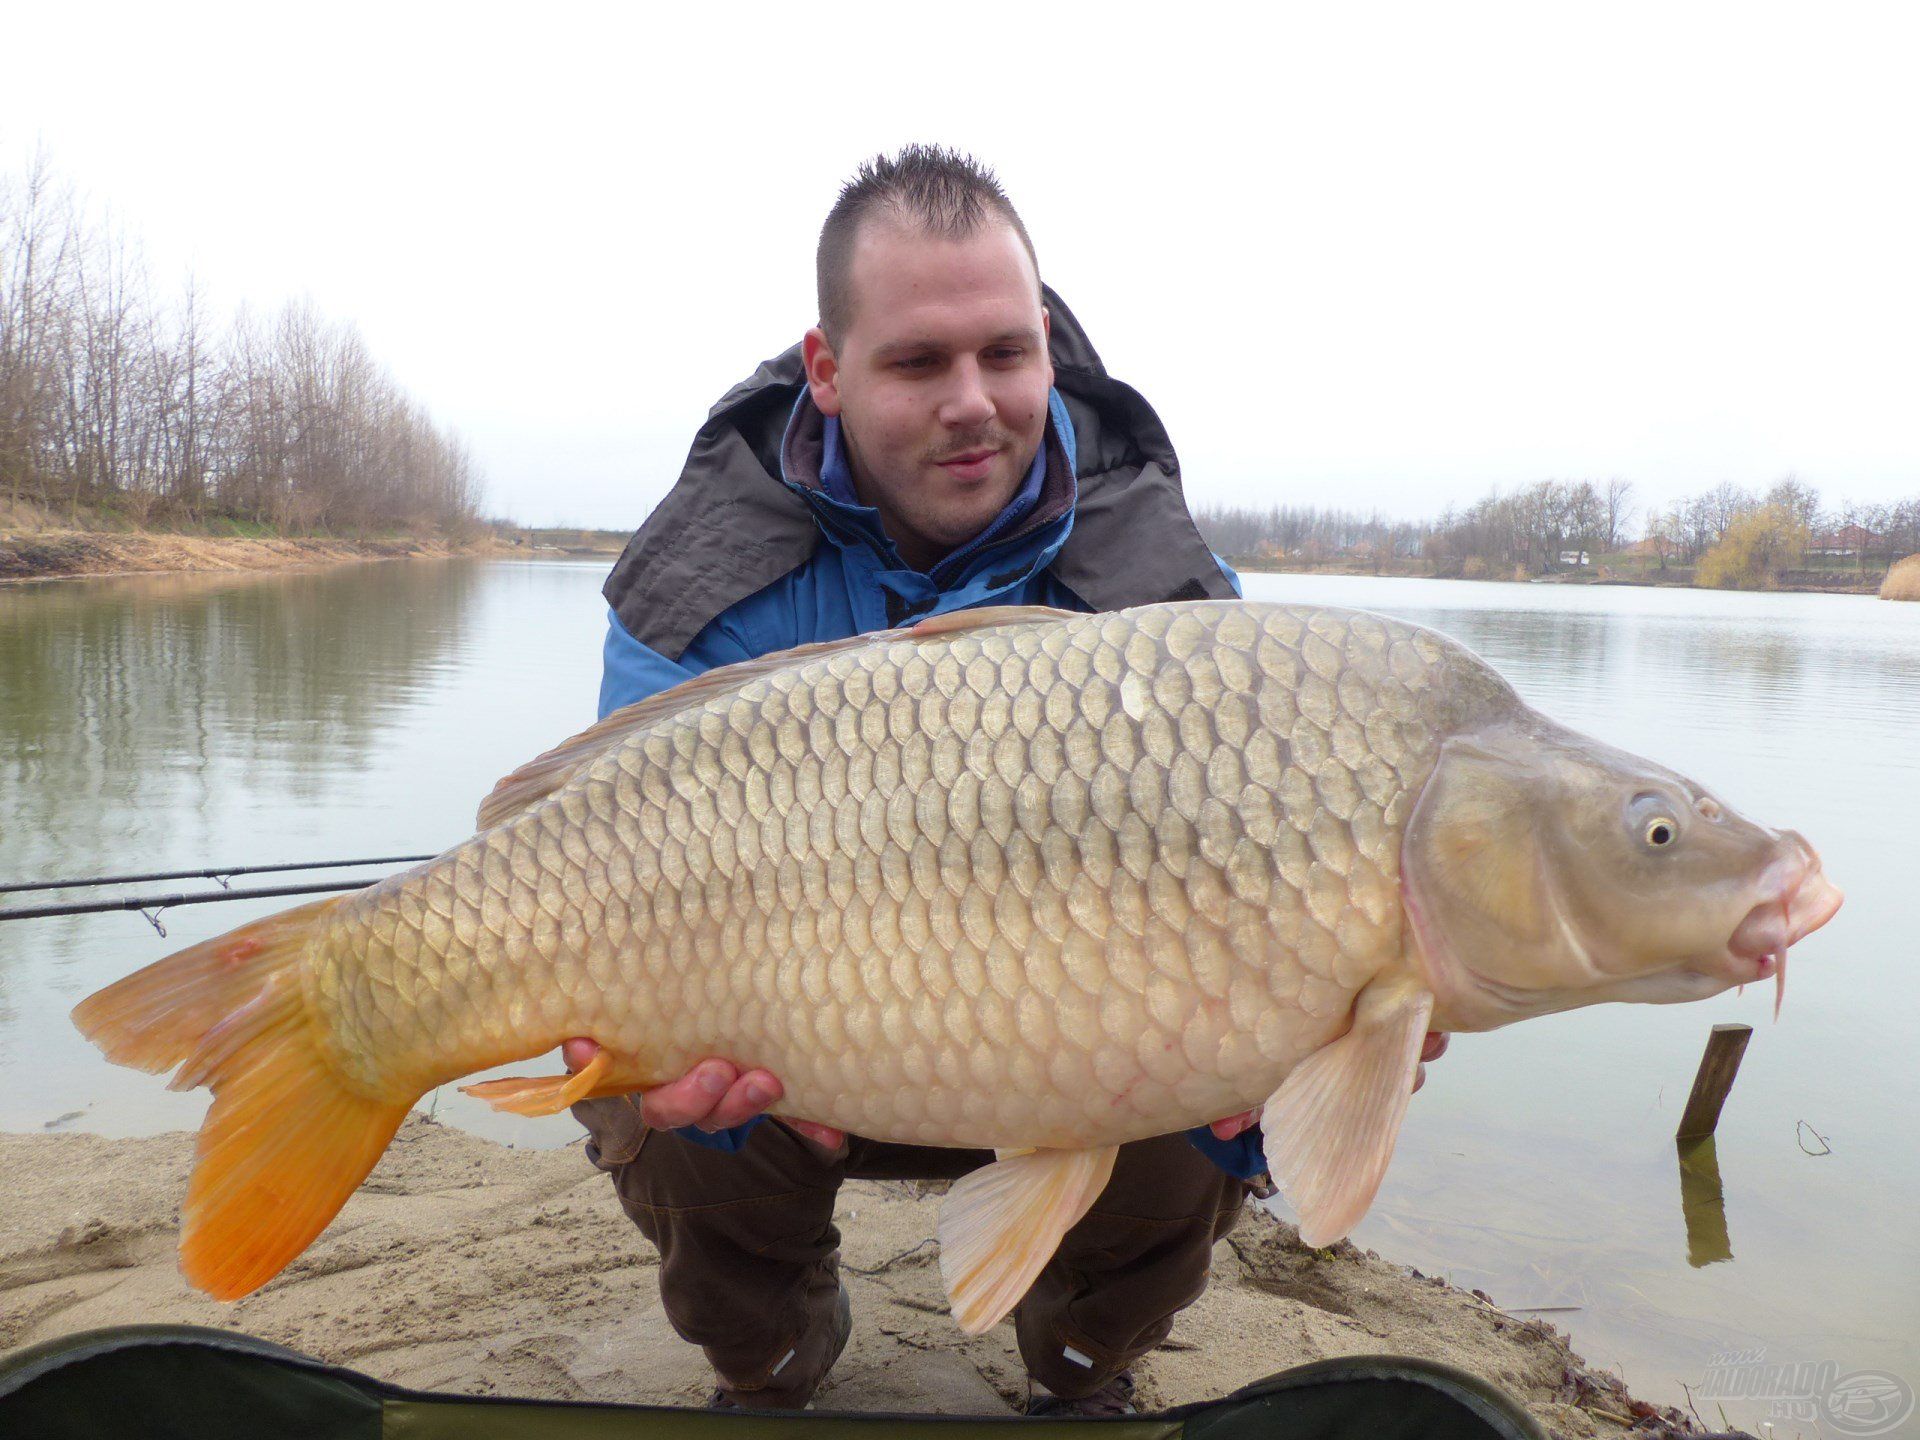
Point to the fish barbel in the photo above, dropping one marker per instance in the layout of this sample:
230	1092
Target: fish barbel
1020	878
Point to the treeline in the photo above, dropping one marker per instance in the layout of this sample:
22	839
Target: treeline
1550	525
1306	531
112	398
1865	534
1735	536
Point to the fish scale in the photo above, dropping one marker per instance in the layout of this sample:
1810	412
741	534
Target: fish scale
1073	882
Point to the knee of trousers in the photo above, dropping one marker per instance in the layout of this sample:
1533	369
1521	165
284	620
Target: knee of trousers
1141	1255
743	1238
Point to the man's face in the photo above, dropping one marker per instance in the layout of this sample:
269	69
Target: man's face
940	380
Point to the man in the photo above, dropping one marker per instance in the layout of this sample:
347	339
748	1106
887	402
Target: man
944	438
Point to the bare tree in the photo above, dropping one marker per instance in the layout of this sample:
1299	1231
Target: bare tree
108	400
1618	501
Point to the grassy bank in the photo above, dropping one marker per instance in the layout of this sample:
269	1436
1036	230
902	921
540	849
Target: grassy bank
74	544
1903	580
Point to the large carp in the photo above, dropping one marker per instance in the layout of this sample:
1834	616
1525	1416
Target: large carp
1021	879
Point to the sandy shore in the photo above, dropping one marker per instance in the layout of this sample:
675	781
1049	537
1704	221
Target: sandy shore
465	1266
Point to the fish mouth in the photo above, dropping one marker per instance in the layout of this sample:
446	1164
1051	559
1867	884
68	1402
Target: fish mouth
1796	899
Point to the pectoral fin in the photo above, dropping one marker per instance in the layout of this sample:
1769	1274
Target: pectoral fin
1001	1224
548	1094
1331	1125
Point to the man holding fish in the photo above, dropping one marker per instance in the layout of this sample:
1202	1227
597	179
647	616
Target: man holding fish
1080	851
909	458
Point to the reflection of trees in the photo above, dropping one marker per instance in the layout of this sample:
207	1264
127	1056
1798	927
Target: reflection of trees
152	694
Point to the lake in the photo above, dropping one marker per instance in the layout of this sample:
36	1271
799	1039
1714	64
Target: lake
177	722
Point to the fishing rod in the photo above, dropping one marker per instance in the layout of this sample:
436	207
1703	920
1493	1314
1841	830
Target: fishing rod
150	906
220	873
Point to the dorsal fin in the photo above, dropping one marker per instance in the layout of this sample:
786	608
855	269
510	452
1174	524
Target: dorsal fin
987	617
540	777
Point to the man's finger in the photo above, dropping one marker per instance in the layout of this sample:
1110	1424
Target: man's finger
1419	1077
691	1098
824	1136
1435	1046
1234	1124
745	1098
577	1052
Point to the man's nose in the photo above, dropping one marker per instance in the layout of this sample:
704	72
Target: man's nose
966	403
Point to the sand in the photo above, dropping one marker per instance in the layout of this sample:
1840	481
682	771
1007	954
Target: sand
462	1265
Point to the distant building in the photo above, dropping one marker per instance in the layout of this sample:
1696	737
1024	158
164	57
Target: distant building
1575	557
1848	540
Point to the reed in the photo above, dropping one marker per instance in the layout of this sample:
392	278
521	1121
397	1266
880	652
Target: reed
1903	580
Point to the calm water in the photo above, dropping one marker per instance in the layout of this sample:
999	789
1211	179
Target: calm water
181	721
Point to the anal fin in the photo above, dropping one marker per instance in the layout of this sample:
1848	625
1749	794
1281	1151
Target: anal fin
1001	1224
1331	1126
549	1094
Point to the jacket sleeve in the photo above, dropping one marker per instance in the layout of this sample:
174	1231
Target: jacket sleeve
1244	1155
630	672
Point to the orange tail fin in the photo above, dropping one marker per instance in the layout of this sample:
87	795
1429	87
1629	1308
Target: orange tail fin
288	1138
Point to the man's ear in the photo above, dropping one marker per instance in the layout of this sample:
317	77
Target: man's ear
823	370
1046	340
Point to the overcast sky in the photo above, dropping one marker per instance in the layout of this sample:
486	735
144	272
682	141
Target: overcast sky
1375	256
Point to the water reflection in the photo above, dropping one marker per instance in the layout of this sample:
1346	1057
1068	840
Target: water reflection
127	705
137	716
1703	1202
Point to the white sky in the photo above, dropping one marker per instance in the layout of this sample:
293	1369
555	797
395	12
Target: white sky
1373	256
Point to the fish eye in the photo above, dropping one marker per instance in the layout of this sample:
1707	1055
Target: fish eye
1655	818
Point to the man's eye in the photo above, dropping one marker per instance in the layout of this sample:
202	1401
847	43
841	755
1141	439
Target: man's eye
1006	354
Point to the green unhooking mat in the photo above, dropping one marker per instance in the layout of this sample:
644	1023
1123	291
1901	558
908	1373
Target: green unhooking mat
167	1381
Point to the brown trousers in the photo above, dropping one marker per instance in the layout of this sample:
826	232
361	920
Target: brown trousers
749	1254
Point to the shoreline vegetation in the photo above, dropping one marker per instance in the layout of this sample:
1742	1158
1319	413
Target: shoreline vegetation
1807	583
1728	538
1903	580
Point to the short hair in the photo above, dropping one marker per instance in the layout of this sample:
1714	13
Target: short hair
941	191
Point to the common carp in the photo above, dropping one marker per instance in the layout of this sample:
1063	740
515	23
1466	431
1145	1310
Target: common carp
1020	878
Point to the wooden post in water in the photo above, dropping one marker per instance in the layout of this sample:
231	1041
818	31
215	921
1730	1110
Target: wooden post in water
1714	1079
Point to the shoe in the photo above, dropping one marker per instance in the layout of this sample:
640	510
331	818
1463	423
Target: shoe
1113	1398
771	1396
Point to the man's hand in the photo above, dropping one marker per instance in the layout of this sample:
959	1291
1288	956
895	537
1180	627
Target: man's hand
1433	1049
714	1095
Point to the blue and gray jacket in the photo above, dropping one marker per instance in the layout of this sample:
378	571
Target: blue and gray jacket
762	545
